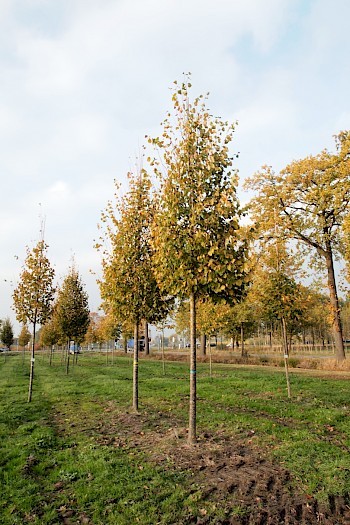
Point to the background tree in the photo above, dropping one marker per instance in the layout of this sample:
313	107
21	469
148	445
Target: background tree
91	336
24	336
23	339
50	333
198	247
6	333
309	200
34	295
129	289
238	321
72	309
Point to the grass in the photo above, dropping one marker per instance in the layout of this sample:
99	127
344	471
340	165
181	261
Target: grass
55	463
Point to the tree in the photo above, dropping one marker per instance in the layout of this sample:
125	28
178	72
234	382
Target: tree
6	333
50	333
309	200
129	289
92	336
34	295
199	251
24	336
238	320
72	309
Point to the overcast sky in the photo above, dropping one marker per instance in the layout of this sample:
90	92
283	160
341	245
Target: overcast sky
83	81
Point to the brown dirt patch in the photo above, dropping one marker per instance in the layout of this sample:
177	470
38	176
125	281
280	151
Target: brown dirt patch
248	488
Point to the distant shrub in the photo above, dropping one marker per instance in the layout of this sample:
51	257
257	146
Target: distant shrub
294	362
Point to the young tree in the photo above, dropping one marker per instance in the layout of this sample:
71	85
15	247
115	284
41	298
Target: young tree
72	309
129	288
91	336
24	336
309	200
34	295
238	321
6	333
50	334
199	251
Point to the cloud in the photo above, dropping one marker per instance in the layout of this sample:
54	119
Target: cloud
84	81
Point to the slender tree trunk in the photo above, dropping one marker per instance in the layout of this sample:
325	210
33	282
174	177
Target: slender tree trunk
32	360
335	310
192	438
203	347
146	339
210	360
125	344
243	352
68	357
135	384
286	355
163	355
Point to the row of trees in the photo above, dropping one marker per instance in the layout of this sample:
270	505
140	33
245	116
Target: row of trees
181	239
63	314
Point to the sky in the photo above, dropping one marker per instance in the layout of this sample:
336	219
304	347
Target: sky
83	81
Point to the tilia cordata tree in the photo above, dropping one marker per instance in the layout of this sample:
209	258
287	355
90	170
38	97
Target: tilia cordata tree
309	202
128	287
199	249
34	295
72	314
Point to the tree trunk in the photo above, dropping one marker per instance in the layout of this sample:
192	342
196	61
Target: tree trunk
163	356
125	344
146	339
210	360
243	352
193	371
32	360
286	354
335	311
135	382
68	357
203	347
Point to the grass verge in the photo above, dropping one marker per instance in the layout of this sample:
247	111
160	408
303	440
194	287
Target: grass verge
76	454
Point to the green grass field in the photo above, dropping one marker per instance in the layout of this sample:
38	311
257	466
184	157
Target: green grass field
75	454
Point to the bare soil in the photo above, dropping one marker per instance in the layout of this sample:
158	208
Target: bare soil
248	488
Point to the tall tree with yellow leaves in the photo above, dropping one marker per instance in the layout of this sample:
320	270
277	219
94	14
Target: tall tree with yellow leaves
309	201
199	251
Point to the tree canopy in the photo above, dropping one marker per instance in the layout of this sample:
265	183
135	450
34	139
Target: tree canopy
6	333
309	201
34	293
